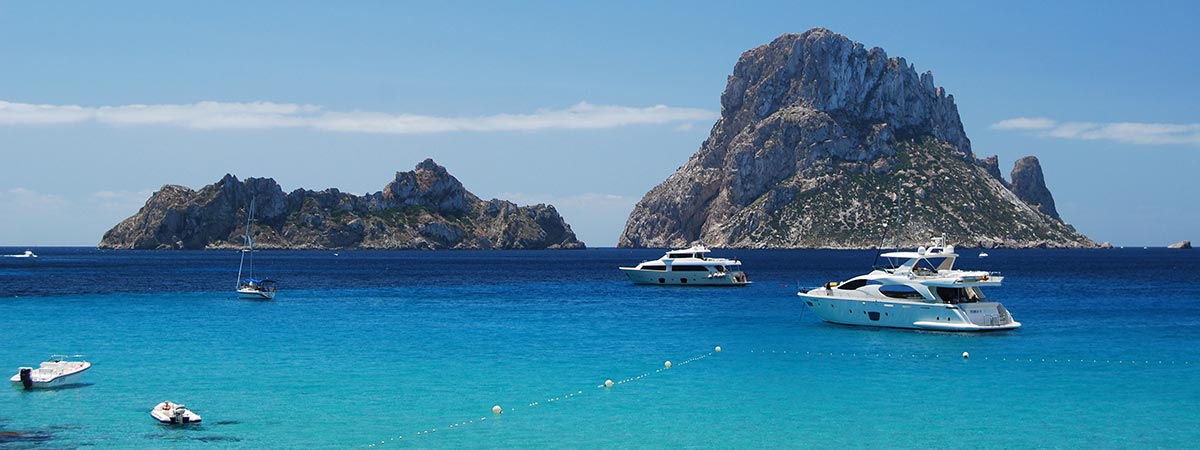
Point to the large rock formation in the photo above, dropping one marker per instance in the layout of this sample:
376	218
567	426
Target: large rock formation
423	209
816	139
1181	245
1030	186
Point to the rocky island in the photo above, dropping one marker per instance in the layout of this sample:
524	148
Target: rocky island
426	208
817	138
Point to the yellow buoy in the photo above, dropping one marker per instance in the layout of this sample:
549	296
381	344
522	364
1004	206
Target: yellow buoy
496	409
608	383
667	364
718	349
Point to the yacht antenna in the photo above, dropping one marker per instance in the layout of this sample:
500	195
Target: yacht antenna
899	224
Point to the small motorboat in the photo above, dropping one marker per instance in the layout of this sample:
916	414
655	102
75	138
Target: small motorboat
55	372
27	254
174	413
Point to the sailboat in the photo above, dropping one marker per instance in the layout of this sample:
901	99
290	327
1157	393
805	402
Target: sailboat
250	287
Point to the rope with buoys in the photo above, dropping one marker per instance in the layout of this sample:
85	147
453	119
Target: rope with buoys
967	355
498	410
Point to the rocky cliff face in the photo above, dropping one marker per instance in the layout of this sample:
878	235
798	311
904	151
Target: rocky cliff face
1030	186
815	136
426	208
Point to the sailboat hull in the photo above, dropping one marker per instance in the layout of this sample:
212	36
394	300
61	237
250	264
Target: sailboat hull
254	294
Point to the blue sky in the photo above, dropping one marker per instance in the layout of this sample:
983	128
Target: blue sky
583	105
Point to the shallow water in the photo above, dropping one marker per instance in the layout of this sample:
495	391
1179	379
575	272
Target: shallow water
364	347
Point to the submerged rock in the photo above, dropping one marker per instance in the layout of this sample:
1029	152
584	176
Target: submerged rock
426	208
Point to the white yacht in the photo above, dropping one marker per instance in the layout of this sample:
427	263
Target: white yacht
174	413
27	254
688	267
57	371
920	290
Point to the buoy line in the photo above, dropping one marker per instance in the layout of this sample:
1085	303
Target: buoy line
967	355
499	410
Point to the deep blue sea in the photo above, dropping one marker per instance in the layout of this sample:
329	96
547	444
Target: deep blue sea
411	349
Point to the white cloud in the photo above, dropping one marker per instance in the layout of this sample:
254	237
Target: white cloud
267	115
21	201
124	202
1024	123
1123	132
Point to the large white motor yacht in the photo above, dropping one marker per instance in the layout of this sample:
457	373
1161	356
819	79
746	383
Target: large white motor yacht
55	372
918	290
174	413
688	267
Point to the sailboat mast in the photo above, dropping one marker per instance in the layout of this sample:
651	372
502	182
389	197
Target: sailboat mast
250	240
247	243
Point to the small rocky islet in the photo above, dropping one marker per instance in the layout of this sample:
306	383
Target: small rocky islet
426	208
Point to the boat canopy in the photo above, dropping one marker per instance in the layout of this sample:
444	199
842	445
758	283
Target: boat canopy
255	280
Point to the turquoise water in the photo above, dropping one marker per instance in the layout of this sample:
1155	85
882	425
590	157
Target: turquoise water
366	348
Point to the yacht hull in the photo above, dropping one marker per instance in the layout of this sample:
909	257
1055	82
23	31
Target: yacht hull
684	278
898	313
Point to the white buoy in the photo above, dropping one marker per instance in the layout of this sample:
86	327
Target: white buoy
608	383
667	364
966	355
718	349
496	409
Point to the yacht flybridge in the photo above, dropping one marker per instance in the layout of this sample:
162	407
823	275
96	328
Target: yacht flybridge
689	266
920	290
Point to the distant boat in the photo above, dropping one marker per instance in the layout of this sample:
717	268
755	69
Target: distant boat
55	372
174	413
250	287
983	255
27	254
688	267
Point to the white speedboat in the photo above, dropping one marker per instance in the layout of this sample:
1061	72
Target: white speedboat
57	371
27	254
688	267
919	290
250	287
174	413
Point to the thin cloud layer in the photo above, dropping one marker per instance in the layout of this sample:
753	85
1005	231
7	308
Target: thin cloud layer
268	115
1124	132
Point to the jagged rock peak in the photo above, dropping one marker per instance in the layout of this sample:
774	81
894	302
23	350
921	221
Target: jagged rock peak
426	208
1030	186
825	71
429	185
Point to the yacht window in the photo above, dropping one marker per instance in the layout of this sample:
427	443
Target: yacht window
720	268
679	268
679	255
956	295
648	267
928	264
853	284
899	291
